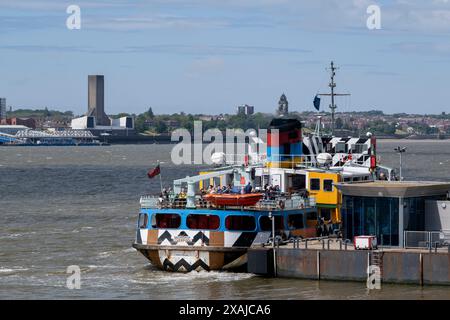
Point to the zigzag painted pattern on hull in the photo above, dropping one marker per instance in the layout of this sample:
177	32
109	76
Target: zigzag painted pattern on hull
183	266
167	236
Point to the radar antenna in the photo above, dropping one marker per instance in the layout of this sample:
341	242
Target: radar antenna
332	86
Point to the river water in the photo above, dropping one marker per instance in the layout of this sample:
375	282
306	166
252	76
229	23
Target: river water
62	206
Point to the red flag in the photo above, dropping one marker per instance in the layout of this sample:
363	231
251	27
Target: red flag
153	173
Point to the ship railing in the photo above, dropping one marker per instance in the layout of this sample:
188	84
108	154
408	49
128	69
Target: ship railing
291	161
277	203
243	159
286	160
286	203
155	202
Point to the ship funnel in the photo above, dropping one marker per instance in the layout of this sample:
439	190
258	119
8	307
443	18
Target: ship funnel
284	143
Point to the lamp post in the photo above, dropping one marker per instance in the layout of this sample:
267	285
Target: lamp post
400	151
272	218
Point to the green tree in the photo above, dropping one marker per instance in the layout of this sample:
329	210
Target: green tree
161	127
150	113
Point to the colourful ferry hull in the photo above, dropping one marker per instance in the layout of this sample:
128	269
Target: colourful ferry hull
184	249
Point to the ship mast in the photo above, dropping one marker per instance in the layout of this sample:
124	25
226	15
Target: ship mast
332	86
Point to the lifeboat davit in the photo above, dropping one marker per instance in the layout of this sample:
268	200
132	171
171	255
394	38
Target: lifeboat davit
228	199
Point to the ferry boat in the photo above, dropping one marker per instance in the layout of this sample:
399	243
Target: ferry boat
293	195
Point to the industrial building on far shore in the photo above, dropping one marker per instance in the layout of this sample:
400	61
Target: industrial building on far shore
96	119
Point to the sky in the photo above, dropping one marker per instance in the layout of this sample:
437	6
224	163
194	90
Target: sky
209	56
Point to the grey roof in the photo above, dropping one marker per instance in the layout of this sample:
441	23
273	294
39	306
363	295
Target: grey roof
394	189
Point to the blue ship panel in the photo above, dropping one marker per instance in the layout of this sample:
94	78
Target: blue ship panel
296	149
223	214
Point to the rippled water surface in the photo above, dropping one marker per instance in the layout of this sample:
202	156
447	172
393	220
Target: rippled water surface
62	206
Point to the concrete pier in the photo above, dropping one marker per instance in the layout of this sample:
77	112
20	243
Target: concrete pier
420	267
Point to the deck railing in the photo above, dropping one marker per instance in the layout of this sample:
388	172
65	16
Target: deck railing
423	239
281	202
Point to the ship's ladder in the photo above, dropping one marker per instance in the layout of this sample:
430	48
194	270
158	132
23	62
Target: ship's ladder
376	259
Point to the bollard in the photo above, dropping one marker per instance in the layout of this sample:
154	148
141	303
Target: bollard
340	244
306	244
328	244
436	246
347	241
323	244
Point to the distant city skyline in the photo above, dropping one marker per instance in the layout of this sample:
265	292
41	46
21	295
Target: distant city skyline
210	56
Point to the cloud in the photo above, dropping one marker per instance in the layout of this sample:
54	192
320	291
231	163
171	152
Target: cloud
207	50
215	50
207	65
130	23
382	73
318	15
423	48
57	5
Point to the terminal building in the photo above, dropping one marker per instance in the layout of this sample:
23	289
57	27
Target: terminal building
96	119
400	214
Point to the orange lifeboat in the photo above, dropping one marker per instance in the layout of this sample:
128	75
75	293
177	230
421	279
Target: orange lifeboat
227	199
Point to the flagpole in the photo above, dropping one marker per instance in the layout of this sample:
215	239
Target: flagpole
160	179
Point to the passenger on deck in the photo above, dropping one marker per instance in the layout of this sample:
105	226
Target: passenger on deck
182	194
165	194
248	188
161	198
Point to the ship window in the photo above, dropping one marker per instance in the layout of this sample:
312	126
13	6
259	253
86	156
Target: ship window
325	213
241	223
143	220
314	184
299	181
203	221
168	221
295	221
341	147
328	185
359	148
266	223
311	215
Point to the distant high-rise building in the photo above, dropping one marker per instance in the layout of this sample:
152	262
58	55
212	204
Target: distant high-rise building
2	108
283	106
96	100
246	109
